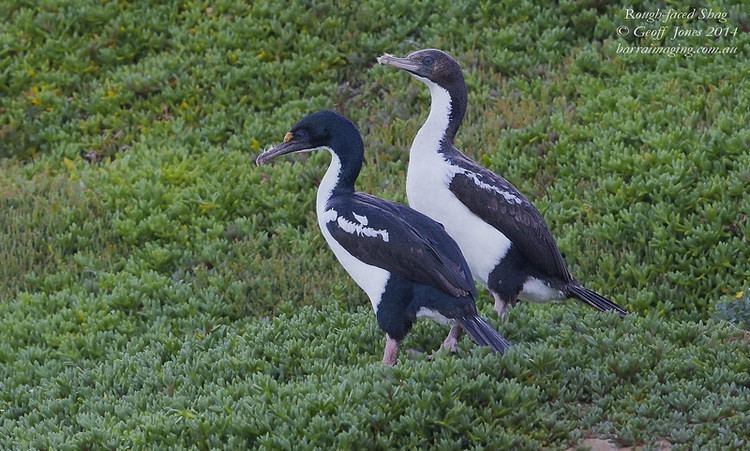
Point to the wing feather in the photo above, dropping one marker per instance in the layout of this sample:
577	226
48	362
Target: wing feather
402	241
500	204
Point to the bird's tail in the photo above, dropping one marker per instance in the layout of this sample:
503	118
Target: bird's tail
484	334
595	299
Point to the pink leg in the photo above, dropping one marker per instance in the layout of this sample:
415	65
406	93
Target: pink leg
450	343
391	351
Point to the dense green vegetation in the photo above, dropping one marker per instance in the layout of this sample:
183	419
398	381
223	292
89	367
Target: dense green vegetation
157	289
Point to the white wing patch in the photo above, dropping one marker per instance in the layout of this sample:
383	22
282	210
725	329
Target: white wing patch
362	219
510	197
357	228
361	229
328	216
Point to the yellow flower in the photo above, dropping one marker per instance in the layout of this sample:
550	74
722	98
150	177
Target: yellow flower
264	56
34	93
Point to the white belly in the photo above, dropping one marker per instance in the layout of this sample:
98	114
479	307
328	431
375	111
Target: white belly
483	246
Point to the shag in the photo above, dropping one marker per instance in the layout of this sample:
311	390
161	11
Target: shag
405	262
502	235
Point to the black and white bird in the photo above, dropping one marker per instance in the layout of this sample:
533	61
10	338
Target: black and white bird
502	235
405	262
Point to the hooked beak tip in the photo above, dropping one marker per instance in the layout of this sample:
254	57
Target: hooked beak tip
399	63
262	157
382	59
284	148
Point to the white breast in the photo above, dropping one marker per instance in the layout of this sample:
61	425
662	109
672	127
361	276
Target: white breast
370	278
427	180
483	246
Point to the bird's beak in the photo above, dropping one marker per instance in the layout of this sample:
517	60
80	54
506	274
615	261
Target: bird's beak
290	145
400	63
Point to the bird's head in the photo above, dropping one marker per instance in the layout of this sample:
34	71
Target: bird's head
431	64
324	129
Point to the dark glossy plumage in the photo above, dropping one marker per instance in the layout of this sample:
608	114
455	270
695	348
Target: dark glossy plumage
405	261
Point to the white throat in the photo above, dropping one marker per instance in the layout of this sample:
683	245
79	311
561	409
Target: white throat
329	181
434	128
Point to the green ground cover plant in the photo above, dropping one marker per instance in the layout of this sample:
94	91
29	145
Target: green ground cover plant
159	290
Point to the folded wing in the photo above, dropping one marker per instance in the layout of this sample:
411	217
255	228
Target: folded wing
401	241
501	205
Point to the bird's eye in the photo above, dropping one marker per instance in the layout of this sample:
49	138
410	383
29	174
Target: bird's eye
428	60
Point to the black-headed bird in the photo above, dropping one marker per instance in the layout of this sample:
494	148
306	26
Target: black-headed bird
405	262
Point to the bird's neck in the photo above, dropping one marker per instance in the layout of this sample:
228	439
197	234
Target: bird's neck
447	109
342	172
